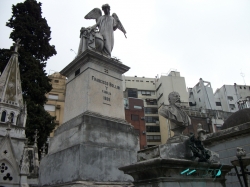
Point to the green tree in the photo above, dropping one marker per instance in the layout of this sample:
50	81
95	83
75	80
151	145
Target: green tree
4	58
29	25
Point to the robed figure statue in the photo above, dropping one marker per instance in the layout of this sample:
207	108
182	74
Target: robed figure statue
101	40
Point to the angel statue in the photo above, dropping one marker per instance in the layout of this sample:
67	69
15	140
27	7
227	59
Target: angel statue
101	40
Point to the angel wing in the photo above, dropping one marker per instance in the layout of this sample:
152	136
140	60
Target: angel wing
94	14
119	24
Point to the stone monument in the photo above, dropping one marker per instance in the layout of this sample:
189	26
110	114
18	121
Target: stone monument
178	118
94	140
101	40
182	161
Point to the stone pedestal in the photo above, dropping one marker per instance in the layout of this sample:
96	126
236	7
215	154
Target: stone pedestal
94	84
173	165
95	140
173	150
171	173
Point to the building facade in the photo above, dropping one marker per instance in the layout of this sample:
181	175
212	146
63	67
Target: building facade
213	105
231	98
56	98
165	84
134	114
154	92
201	96
144	89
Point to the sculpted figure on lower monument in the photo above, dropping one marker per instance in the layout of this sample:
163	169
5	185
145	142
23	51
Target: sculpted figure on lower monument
178	118
101	40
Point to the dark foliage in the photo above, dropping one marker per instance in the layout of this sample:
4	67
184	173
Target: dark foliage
28	25
4	58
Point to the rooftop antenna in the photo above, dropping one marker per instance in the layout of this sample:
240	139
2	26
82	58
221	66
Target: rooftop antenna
72	51
243	75
51	70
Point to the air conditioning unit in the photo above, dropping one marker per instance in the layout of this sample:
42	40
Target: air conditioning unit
143	132
142	118
58	106
57	122
157	123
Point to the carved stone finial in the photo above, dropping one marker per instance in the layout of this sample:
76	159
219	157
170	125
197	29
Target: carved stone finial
201	133
9	123
26	142
240	152
17	45
48	140
36	136
43	151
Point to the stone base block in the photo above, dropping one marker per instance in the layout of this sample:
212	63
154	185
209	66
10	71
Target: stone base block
177	139
179	150
90	147
173	150
93	184
177	173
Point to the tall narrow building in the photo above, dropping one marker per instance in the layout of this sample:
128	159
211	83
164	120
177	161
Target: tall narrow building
56	98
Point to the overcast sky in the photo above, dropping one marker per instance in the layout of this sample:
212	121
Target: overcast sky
201	39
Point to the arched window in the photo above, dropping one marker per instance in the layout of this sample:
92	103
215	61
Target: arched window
3	117
12	117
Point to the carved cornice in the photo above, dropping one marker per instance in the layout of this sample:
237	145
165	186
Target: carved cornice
227	134
169	170
82	118
97	58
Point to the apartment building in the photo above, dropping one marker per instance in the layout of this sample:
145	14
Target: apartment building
154	92
134	114
166	84
144	88
233	97
56	98
220	105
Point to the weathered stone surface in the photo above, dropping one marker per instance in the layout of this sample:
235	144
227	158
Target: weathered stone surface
167	172
227	134
237	118
103	39
94	84
178	118
17	135
95	129
173	150
177	139
215	157
89	147
94	184
225	143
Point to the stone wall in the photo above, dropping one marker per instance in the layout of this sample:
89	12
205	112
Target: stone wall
225	143
90	147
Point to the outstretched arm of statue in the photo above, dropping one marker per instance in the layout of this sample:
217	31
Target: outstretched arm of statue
92	27
95	25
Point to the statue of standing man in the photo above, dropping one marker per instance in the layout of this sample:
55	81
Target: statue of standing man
102	40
